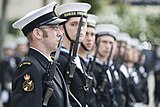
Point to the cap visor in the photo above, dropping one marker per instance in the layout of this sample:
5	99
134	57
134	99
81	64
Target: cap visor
57	21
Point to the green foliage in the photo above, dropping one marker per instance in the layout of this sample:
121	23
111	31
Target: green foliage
154	25
121	9
133	23
120	15
11	30
96	5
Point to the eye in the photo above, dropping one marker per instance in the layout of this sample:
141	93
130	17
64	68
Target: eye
73	24
111	43
92	34
59	35
84	23
87	33
55	27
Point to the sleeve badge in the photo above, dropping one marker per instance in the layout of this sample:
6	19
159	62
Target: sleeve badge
28	84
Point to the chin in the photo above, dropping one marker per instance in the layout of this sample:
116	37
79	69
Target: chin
80	40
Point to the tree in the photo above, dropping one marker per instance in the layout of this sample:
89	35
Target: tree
3	31
96	5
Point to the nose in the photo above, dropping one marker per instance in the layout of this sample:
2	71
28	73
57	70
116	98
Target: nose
59	32
89	38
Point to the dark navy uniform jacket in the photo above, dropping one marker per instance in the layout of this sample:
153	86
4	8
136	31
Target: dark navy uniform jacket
103	98
91	92
28	87
77	83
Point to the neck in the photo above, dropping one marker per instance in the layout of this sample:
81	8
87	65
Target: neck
43	50
129	64
82	53
102	58
66	43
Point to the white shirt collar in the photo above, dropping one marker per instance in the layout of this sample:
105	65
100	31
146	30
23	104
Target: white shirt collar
49	58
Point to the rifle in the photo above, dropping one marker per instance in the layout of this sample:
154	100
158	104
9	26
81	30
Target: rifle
90	67
71	63
132	99
50	72
104	73
105	79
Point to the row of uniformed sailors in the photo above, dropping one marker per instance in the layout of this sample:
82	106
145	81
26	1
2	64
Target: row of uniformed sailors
126	77
111	87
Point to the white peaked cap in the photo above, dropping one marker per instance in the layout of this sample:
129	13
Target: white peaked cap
35	18
125	37
107	29
73	9
9	44
92	20
134	42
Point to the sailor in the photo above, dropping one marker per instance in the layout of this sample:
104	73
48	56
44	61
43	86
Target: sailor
106	33
86	46
41	27
69	62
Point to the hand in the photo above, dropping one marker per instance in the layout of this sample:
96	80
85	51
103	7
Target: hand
4	96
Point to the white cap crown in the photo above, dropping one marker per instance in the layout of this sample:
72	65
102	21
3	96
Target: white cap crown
44	15
92	20
107	29
124	37
73	9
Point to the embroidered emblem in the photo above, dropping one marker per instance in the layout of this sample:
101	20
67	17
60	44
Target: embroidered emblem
28	84
24	63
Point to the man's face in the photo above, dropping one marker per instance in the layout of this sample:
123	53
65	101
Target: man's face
128	55
72	27
105	45
51	37
135	55
22	49
89	39
121	47
115	49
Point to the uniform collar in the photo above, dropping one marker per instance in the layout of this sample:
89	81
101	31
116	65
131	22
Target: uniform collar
49	58
63	49
39	57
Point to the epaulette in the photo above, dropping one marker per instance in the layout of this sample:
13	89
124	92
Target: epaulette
24	63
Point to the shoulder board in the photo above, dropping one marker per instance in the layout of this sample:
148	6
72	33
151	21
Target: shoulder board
25	63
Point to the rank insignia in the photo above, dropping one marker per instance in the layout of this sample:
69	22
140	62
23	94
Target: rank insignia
24	63
28	84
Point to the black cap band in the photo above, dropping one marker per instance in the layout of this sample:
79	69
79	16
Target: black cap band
90	26
29	27
105	34
73	14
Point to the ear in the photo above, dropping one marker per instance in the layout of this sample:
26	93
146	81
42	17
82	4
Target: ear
37	33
